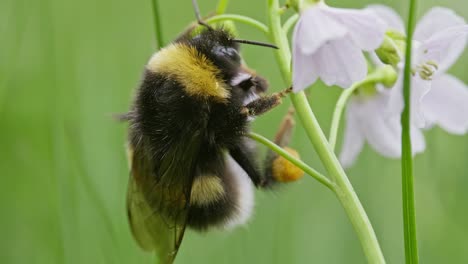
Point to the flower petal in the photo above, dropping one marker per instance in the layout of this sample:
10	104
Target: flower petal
304	70
382	133
419	89
436	20
366	29
353	140
389	16
444	47
315	29
418	143
395	103
384	136
447	104
340	62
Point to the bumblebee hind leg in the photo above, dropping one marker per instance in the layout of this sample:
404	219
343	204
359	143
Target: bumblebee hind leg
276	168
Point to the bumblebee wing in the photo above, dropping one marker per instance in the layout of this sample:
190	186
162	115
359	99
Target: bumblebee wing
156	212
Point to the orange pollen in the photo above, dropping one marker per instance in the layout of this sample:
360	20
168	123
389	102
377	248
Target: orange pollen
284	170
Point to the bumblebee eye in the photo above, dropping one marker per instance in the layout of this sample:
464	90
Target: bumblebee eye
230	52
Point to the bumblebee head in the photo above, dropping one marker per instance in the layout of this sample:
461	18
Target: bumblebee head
220	47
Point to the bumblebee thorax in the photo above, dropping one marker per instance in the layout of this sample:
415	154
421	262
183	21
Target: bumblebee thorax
190	68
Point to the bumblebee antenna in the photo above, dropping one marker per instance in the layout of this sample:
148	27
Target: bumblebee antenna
198	16
203	23
251	42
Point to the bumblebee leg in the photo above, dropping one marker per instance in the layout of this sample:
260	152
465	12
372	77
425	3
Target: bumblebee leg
283	136
277	168
246	159
265	103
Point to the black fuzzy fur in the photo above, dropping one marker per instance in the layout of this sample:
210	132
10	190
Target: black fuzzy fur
180	137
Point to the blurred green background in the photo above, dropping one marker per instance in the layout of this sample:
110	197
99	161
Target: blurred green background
67	66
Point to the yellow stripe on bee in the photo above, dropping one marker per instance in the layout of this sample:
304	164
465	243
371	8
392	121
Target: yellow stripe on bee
206	189
192	69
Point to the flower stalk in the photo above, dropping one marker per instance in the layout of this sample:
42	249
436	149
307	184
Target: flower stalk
383	74
157	24
409	214
290	23
299	163
343	190
221	7
239	18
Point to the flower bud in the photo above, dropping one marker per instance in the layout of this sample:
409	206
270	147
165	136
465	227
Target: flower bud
367	90
392	48
300	5
230	26
385	75
295	4
313	1
390	76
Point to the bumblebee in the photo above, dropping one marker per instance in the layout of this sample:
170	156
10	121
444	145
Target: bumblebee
191	162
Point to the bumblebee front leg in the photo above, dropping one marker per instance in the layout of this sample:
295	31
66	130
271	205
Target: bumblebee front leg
265	103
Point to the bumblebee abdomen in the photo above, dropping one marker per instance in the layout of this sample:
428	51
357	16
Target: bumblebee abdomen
224	200
206	190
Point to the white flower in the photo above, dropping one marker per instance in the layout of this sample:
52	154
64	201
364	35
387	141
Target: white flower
367	120
437	98
328	44
440	98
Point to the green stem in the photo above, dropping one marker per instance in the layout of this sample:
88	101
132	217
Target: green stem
343	190
239	18
159	44
299	163
157	24
221	7
290	23
409	214
340	105
381	74
283	53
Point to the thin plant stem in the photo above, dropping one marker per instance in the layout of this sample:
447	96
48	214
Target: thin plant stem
157	24
379	75
299	163
338	112
159	44
239	18
343	190
221	7
409	213
290	23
